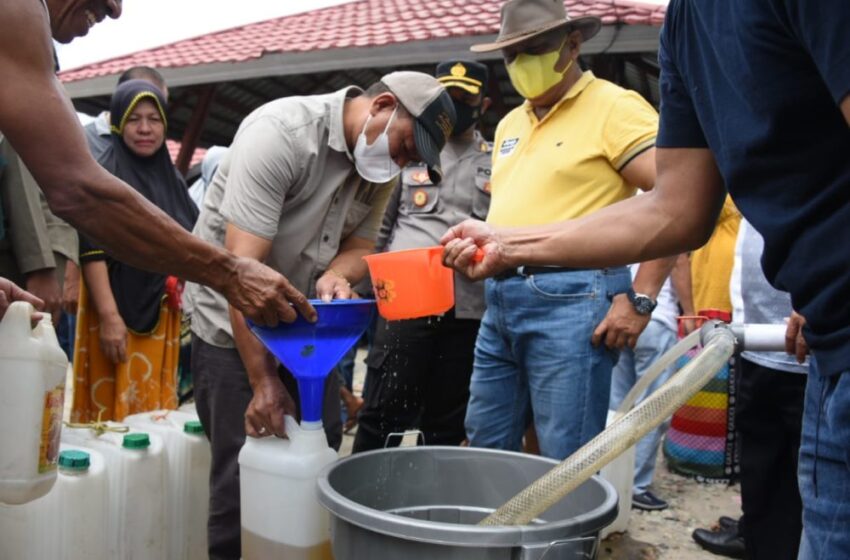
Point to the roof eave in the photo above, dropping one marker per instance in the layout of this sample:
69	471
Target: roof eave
611	39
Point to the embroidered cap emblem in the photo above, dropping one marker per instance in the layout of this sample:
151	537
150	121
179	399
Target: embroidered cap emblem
458	70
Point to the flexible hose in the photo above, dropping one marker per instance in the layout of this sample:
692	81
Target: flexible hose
624	432
659	367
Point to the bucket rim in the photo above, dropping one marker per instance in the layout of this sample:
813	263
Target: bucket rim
436	532
385	254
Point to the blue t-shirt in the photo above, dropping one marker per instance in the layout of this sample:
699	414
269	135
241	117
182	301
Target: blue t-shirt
759	82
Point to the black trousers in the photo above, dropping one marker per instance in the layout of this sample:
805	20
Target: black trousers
769	422
418	377
222	394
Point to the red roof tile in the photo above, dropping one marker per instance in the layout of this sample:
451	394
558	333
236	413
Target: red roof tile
362	23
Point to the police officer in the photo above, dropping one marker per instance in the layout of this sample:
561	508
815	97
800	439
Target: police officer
418	370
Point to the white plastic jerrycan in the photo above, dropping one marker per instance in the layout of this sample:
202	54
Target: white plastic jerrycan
187	458
32	392
69	522
281	514
135	465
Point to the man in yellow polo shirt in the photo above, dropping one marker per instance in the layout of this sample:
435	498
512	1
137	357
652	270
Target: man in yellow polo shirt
547	343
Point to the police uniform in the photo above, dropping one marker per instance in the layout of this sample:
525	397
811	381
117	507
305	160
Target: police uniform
418	370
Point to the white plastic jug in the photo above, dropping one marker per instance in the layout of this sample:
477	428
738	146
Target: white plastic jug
32	392
69	523
135	464
281	514
187	458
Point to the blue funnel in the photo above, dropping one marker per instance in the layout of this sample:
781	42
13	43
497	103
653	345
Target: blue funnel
311	350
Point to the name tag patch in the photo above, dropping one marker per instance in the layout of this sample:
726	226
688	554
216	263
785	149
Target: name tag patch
508	146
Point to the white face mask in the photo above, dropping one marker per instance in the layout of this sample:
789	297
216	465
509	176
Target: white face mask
374	163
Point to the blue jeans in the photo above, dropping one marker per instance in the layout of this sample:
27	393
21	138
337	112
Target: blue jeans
533	357
824	471
655	340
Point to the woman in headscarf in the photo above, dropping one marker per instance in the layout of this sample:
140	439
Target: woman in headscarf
128	330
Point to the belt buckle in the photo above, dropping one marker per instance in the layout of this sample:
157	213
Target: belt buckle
509	273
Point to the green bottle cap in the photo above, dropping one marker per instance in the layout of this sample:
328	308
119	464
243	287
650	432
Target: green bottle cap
193	427
139	440
74	460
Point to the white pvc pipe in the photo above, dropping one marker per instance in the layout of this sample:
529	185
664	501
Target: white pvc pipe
760	338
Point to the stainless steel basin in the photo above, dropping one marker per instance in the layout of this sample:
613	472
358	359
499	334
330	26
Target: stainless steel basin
424	503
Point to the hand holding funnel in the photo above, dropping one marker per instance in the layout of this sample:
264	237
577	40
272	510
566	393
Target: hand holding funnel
311	350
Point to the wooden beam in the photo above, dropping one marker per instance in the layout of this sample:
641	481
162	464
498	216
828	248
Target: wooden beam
194	127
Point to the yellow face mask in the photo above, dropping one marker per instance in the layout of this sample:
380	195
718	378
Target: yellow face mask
534	74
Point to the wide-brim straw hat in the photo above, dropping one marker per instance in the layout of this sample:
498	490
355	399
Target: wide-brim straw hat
524	19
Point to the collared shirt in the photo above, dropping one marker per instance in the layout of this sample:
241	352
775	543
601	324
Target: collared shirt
419	212
34	234
758	82
711	264
568	164
288	178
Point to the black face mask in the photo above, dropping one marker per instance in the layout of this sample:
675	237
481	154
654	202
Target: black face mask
467	116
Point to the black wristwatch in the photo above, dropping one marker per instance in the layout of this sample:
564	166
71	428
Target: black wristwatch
643	304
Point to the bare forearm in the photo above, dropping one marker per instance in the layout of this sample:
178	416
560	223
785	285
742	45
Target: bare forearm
678	215
259	363
349	261
651	275
136	232
97	282
681	280
634	230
